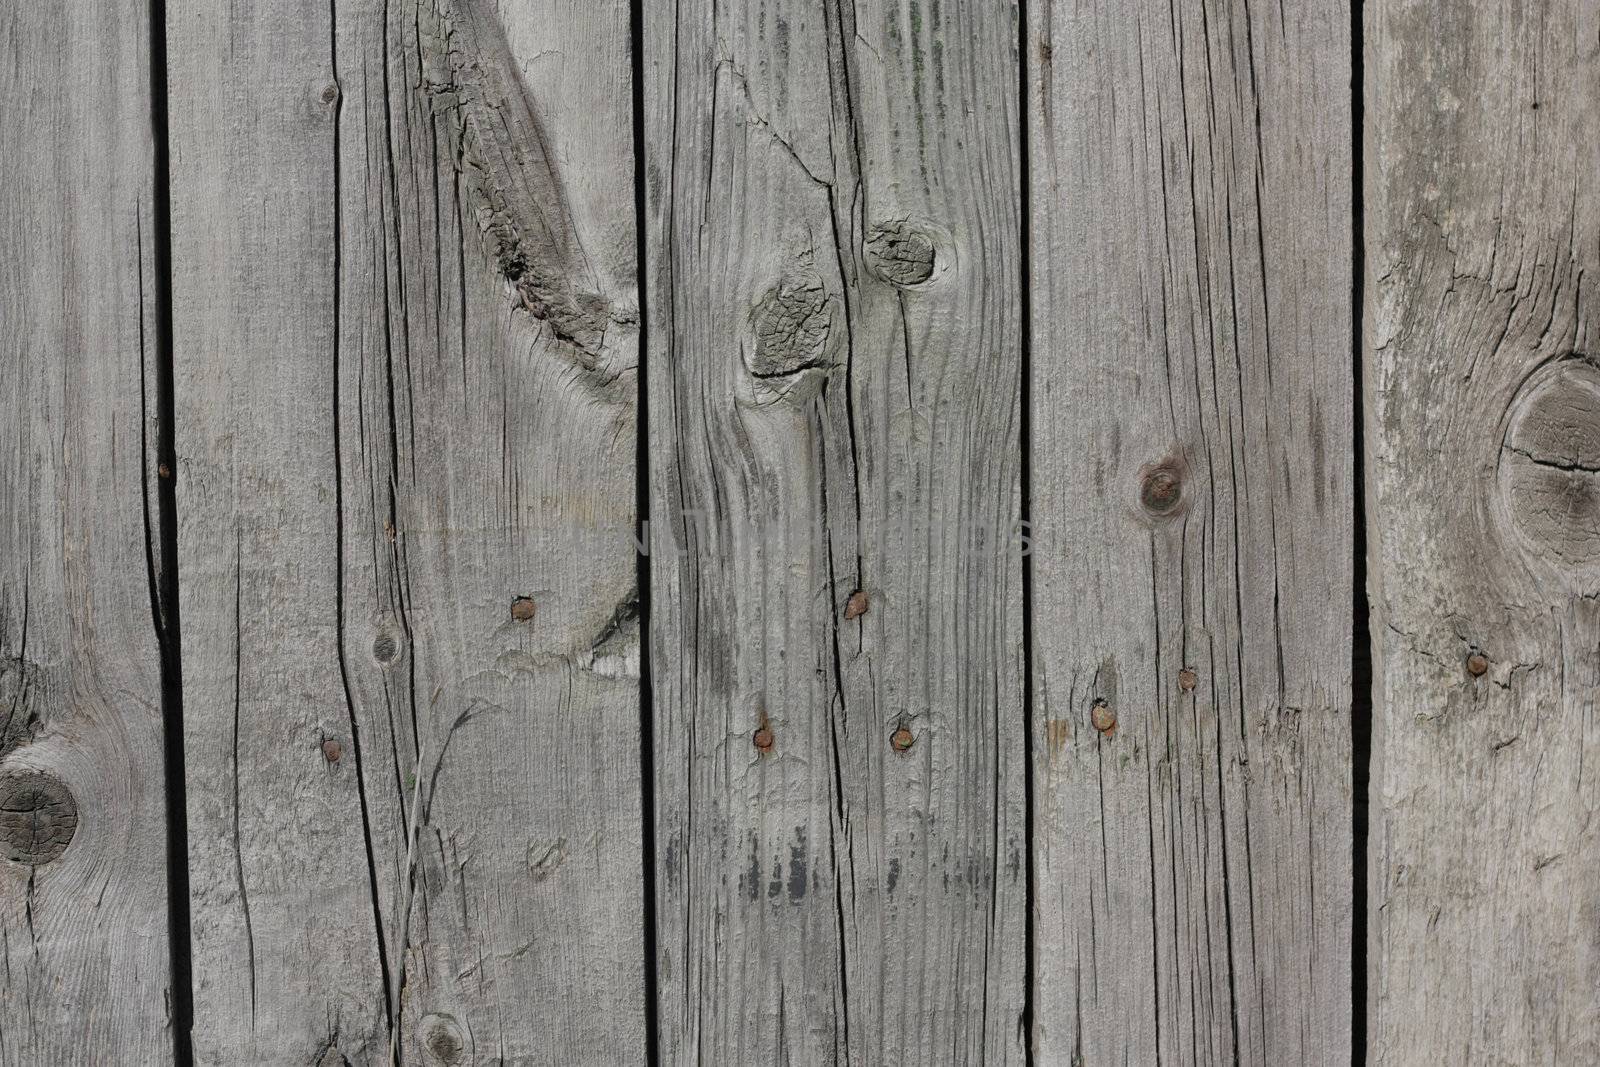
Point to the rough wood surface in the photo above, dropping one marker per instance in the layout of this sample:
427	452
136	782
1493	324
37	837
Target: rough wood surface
1483	430
83	891
1191	402
834	419
405	382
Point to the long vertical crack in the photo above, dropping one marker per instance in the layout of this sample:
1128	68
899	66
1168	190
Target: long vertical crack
390	992
647	792
163	563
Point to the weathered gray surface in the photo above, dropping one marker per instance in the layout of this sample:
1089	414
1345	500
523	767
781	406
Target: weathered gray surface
83	932
1483	429
834	383
1191	391
405	376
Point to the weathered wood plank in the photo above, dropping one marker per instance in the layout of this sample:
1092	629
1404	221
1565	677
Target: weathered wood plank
83	932
406	367
1483	420
1191	402
834	386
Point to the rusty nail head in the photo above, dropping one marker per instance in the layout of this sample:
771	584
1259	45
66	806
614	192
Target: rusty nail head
762	738
1102	717
903	739
1187	679
164	470
522	608
857	605
332	750
1477	664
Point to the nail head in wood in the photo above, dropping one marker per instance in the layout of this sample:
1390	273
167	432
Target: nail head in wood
1477	664
523	608
1187	679
1102	717
903	739
857	605
762	738
38	817
332	750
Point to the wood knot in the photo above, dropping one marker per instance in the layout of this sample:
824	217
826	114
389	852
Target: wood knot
442	1037
385	648
1102	717
793	324
1161	487
38	817
1549	469
902	253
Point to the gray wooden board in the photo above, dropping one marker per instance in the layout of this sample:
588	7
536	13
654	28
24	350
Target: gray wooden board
1483	437
406	334
1191	414
834	386
83	932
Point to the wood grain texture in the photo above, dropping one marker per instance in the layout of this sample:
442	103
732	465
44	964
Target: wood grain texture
1191	414
407	334
84	957
1483	414
833	217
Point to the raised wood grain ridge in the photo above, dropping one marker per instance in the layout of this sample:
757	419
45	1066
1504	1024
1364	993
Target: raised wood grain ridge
1191	235
406	334
1483	437
84	971
833	217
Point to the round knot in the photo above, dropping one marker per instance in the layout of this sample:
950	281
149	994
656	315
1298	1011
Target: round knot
901	253
1161	488
1549	469
38	817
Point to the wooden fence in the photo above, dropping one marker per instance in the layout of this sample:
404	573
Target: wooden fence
799	531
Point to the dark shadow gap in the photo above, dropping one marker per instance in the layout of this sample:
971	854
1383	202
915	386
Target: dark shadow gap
181	1009
641	489
1361	635
1026	518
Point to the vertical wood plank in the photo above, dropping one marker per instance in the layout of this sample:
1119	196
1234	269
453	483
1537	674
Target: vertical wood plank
407	334
1191	413
833	212
1483	429
83	892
